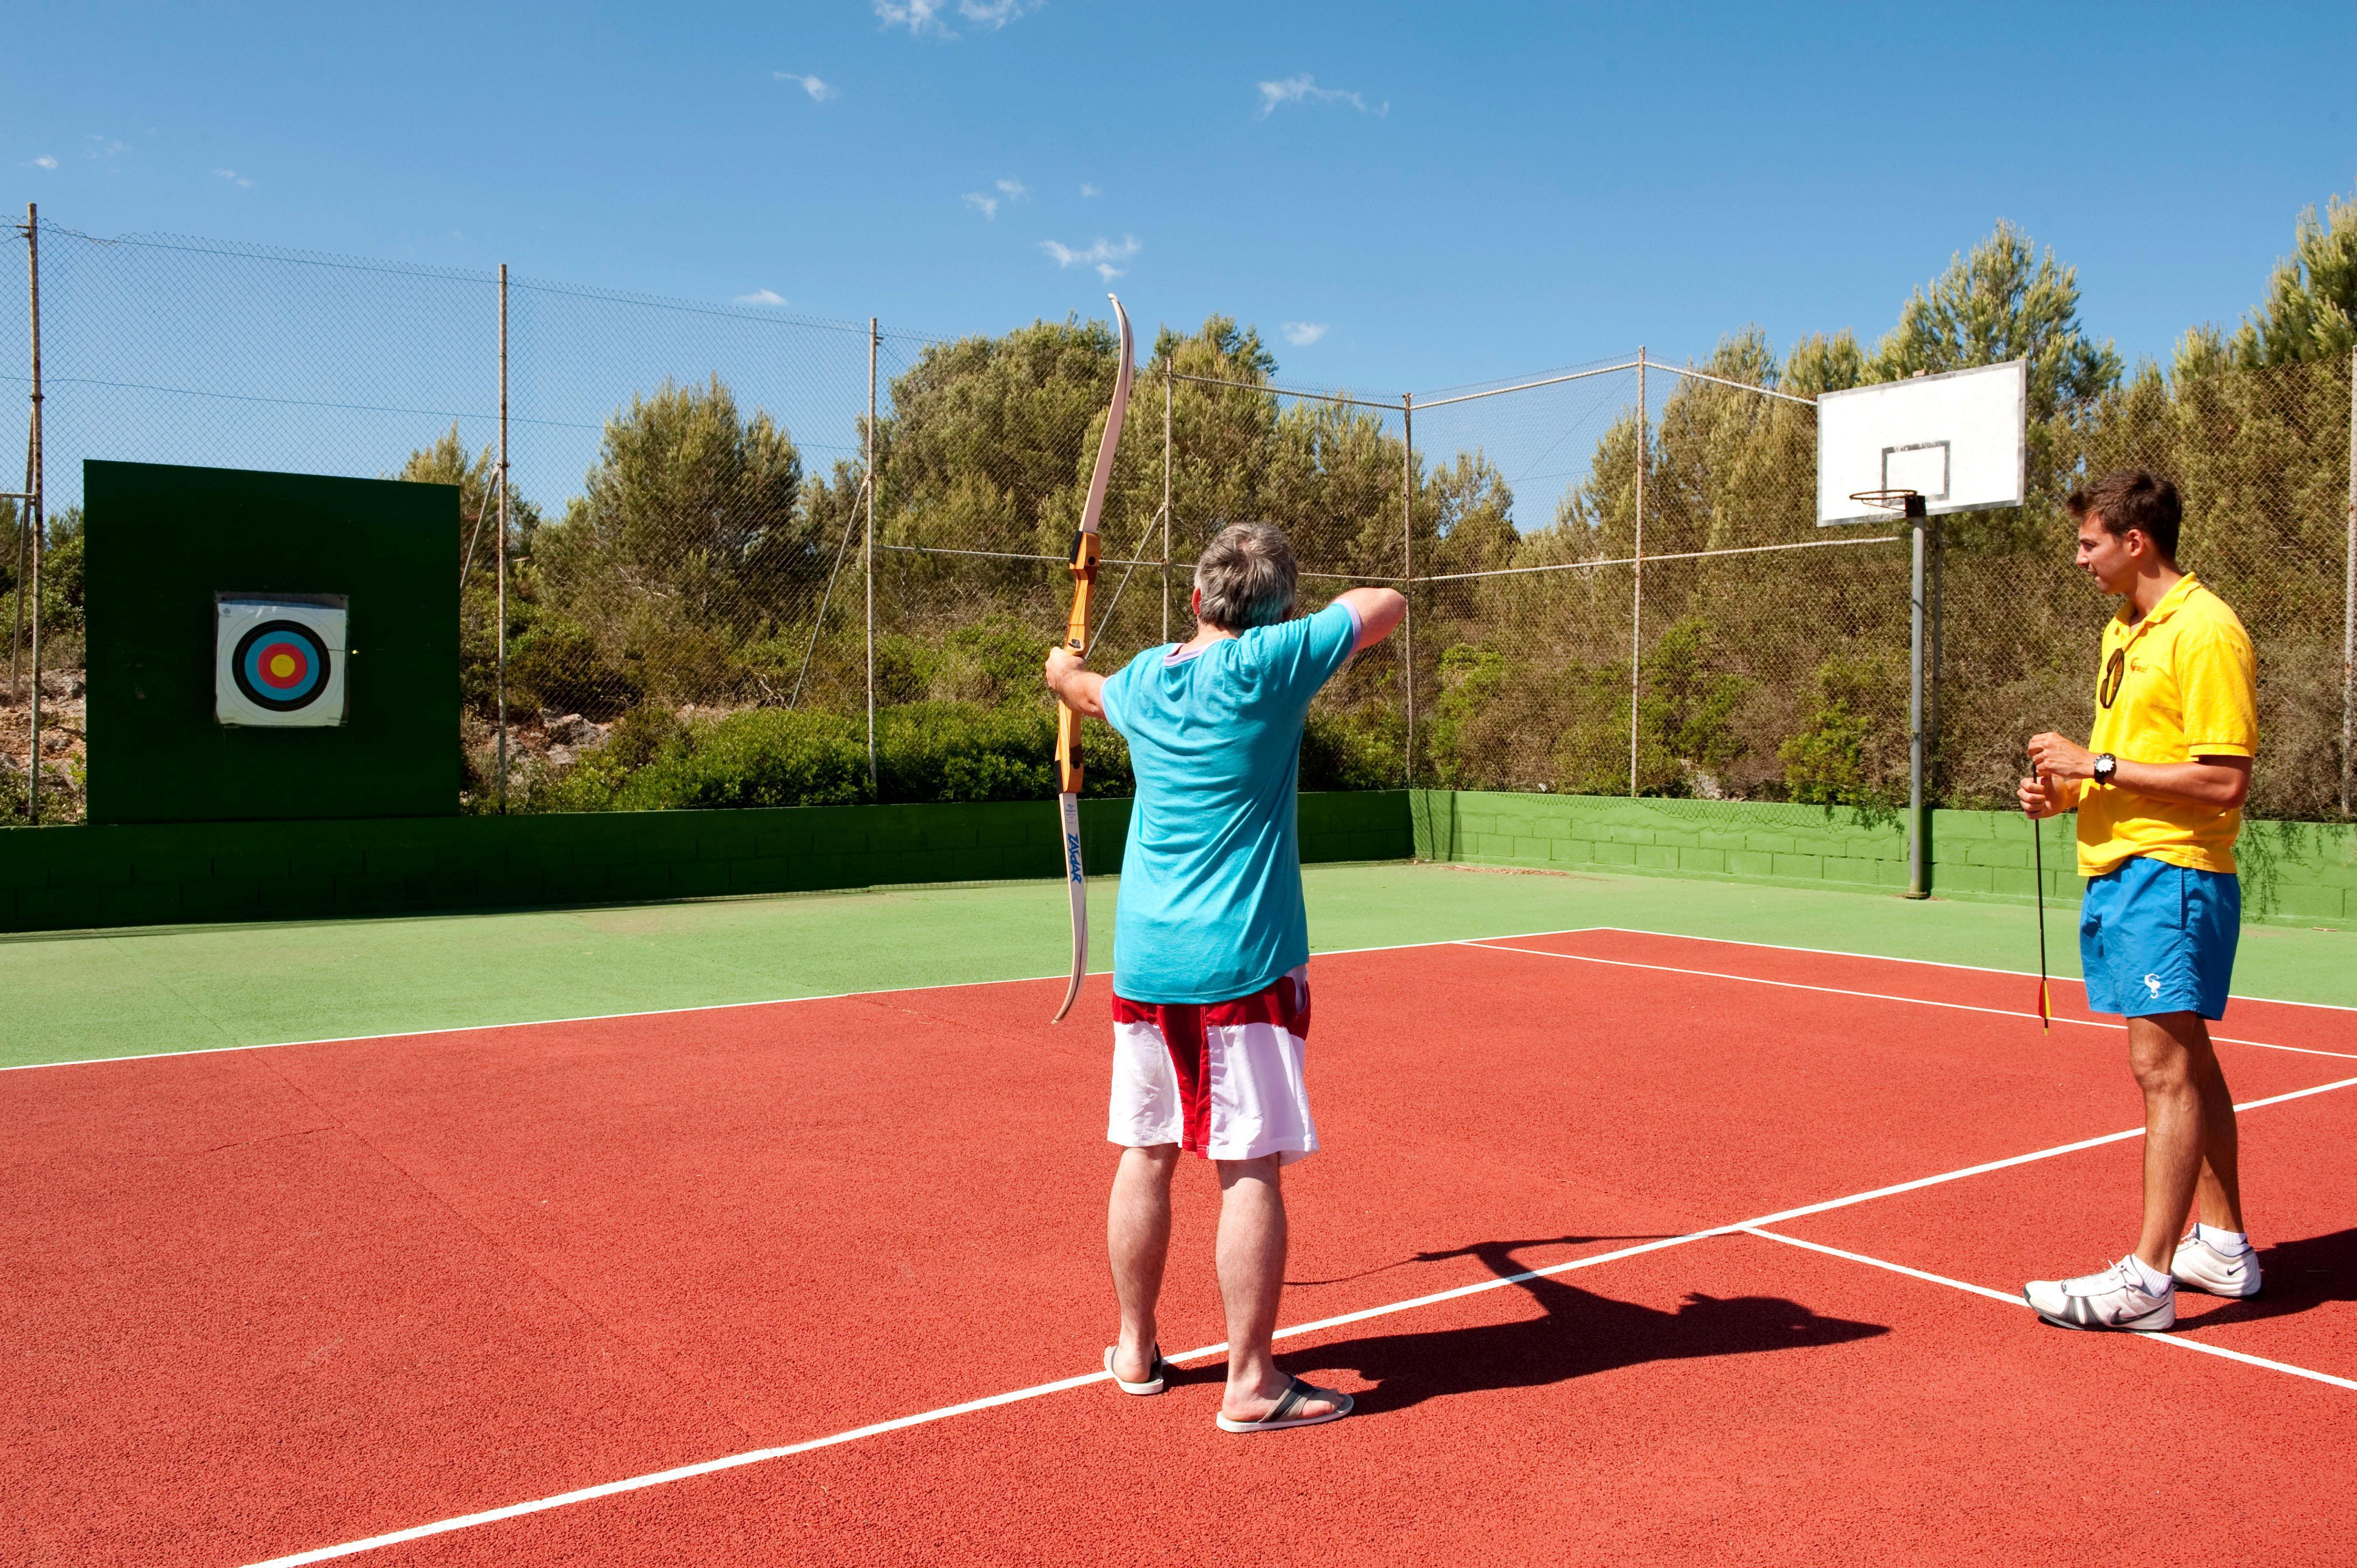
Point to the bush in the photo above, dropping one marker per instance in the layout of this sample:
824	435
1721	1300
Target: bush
771	757
560	668
1351	751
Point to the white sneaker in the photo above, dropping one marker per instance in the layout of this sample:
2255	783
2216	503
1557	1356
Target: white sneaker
2116	1298
2201	1266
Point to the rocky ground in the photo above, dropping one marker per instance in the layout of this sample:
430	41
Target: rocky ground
63	742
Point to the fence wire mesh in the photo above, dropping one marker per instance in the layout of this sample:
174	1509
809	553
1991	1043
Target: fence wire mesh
717	594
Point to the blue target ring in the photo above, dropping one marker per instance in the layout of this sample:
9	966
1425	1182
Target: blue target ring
280	665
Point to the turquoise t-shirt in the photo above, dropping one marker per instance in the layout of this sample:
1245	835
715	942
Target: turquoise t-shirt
1210	882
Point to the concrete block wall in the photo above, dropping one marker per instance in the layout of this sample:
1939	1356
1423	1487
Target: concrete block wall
2292	873
1735	841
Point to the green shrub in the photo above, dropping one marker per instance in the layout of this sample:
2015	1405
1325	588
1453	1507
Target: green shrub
1848	754
1352	750
963	751
560	667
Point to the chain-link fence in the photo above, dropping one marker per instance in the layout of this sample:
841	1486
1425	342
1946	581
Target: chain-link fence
752	558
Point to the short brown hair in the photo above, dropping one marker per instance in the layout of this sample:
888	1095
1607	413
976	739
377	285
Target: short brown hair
2132	498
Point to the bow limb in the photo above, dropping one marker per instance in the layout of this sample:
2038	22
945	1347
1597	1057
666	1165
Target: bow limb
1086	548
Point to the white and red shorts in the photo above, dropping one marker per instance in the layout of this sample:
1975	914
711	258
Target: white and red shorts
1220	1079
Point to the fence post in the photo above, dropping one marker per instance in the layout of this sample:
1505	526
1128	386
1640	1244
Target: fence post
1918	880
1407	567
39	518
1637	568
1168	366
869	551
500	656
2349	599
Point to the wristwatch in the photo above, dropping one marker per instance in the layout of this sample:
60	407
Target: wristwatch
2106	765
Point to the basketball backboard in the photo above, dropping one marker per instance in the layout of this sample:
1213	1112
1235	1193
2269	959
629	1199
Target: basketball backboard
1957	437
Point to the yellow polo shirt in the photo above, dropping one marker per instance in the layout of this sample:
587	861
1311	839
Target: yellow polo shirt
2180	683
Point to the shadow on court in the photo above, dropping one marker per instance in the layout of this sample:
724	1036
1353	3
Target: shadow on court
1581	1333
2297	1275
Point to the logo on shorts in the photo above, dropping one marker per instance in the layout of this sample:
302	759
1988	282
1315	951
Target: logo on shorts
2152	983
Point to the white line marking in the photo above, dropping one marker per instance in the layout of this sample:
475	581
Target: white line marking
757	1455
1928	962
706	1007
1495	945
2180	1340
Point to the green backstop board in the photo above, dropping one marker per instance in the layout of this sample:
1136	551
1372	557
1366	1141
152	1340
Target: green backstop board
163	542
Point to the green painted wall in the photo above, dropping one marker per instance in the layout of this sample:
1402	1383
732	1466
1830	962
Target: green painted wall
164	539
72	877
149	874
2293	872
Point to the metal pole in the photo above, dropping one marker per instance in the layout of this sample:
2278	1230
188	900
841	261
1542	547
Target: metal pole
33	487
2349	601
1166	499
20	513
502	633
869	552
1918	882
1637	568
1407	565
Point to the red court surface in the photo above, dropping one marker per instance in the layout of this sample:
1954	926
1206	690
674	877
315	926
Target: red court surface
269	1304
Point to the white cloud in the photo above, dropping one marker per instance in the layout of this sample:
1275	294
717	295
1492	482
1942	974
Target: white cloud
45	161
818	91
1301	334
98	146
1012	189
236	179
986	205
1087	190
1102	255
761	296
917	15
924	16
1304	90
996	14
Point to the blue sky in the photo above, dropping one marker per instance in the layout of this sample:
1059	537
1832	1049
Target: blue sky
1432	194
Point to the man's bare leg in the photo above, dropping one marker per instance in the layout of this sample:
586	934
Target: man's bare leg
1252	1280
1137	1235
2190	1146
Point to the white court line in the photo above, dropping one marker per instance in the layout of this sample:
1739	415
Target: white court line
1494	943
758	1456
1928	962
709	1007
2180	1340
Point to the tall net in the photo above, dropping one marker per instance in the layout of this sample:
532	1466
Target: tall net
1616	581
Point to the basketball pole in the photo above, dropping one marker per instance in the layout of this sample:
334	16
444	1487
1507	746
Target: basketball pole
1918	884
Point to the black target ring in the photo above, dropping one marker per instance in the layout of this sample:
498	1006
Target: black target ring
281	666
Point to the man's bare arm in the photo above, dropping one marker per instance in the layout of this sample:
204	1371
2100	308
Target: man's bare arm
1078	688
1379	611
2221	782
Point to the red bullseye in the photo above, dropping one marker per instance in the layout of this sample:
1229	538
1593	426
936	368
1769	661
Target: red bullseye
282	665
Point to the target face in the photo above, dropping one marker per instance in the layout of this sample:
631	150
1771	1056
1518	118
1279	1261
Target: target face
279	664
282	665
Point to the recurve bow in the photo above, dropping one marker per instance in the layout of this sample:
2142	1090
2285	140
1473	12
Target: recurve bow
1086	548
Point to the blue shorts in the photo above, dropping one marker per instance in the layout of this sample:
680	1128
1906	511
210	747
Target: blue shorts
2156	937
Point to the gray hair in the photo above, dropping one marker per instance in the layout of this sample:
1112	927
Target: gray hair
1246	576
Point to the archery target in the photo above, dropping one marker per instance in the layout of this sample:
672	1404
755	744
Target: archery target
279	664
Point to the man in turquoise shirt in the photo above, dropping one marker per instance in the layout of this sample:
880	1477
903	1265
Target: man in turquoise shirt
1212	946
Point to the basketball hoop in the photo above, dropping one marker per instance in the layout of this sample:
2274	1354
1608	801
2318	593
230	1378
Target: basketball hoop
1906	503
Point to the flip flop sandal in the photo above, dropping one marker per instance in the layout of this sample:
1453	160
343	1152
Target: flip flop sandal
1280	1414
1155	1374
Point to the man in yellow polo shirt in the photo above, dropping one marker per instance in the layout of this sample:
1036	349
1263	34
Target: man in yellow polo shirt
2159	789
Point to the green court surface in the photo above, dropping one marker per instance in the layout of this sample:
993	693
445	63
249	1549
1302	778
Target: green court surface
78	995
